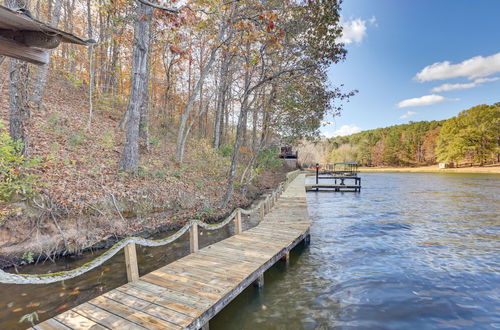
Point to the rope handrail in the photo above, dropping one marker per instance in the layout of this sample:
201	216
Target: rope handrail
9	278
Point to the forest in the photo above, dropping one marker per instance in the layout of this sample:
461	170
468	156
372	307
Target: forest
472	137
175	110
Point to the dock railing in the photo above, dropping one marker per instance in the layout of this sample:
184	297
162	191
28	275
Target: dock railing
129	243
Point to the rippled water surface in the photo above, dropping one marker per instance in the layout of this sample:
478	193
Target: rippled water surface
411	251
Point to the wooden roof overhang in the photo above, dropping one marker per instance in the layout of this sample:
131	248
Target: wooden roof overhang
26	38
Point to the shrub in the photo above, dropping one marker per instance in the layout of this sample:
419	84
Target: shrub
268	159
226	151
16	175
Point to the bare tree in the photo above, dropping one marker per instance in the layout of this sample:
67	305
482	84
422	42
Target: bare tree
130	155
41	78
19	112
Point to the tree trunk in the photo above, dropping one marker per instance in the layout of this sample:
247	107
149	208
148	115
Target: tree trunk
240	131
255	118
237	144
91	64
266	111
41	78
130	155
144	121
19	112
181	139
221	100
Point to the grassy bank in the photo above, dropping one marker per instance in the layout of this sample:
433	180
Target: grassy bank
434	169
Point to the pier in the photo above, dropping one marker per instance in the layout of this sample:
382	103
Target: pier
187	293
348	171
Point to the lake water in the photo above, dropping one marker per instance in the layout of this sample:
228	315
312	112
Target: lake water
411	251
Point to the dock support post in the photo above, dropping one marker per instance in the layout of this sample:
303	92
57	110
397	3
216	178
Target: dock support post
205	327
286	257
259	282
131	262
307	240
193	238
317	175
262	212
237	223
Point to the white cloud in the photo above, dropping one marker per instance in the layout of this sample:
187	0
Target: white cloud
483	80
407	114
344	130
475	67
423	100
354	30
452	87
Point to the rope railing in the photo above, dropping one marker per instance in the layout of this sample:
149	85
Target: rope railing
128	244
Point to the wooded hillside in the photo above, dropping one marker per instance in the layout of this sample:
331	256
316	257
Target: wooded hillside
174	107
471	137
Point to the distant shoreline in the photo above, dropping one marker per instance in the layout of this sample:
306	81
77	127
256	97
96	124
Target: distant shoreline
434	169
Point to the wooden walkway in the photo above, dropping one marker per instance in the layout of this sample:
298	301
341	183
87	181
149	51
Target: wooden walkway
187	293
333	187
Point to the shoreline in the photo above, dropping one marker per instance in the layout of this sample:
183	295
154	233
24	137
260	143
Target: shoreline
433	169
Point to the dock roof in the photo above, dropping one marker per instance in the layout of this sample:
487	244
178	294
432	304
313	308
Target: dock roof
27	38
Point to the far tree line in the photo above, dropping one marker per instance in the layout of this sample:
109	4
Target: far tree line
472	137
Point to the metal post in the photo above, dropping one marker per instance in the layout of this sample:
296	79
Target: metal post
317	175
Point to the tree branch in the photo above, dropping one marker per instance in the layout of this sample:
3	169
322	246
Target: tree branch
178	10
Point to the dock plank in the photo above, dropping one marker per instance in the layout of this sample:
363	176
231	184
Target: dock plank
188	292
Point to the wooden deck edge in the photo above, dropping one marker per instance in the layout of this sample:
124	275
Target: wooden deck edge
216	308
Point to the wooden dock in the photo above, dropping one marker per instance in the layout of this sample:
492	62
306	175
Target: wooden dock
339	178
187	293
333	187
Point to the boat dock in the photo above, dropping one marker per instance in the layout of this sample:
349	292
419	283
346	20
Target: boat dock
187	293
348	171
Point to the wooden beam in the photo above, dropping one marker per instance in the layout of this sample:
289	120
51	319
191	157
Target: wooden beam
11	48
131	262
286	257
237	223
259	282
193	238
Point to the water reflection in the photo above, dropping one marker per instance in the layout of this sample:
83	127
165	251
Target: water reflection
410	251
47	300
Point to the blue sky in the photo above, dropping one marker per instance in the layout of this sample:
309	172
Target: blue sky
416	60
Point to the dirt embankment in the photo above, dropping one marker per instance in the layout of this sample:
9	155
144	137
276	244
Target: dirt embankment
82	199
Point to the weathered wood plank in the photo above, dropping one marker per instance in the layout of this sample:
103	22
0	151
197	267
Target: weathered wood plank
74	320
143	319
182	298
148	307
11	48
188	292
131	262
165	301
191	280
51	324
104	318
